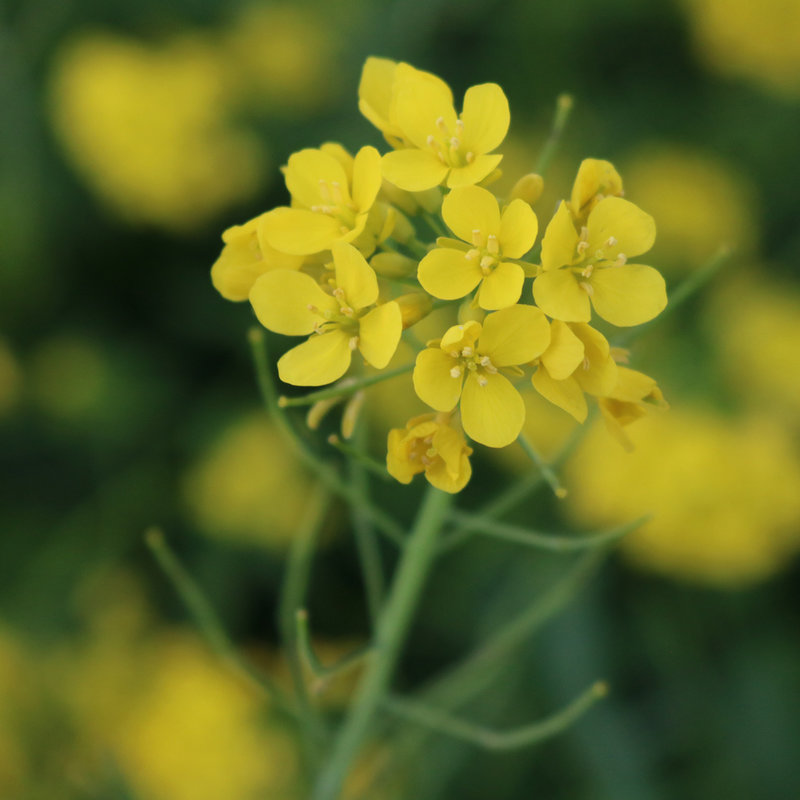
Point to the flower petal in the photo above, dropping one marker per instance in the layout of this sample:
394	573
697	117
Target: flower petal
632	386
514	335
379	334
447	273
566	394
306	172
433	382
298	231
280	299
366	177
565	353
375	92
518	229
413	170
502	287
560	240
486	118
321	359
633	229
419	103
492	414
457	337
628	295
471	208
598	376
474	172
354	276
558	294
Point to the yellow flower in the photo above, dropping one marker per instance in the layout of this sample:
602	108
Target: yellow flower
294	304
577	360
245	256
492	410
443	147
596	180
429	444
328	204
591	269
453	270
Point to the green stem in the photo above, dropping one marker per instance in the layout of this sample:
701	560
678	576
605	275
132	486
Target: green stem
548	473
325	472
564	104
293	597
489	739
391	633
343	388
207	621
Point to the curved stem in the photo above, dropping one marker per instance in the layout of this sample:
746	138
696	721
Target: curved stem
391	632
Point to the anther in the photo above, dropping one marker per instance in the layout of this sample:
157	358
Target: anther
353	343
442	125
487	262
473	254
611	241
347	311
482	380
583	246
338	293
324	190
455	372
492	245
336	191
587	287
467	352
621	260
459	125
431	452
477	238
312	308
469	157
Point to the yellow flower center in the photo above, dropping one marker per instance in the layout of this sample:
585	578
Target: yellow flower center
447	146
469	360
588	261
486	251
346	318
336	203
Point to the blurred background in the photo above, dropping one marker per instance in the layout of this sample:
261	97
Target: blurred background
132	135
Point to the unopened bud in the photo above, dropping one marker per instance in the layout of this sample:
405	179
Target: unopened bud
350	415
393	265
402	230
414	307
318	411
528	188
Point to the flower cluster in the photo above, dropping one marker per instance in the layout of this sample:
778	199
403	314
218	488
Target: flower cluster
347	264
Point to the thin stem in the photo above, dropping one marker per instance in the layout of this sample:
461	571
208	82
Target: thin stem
293	597
369	554
564	104
207	621
361	458
547	471
683	292
552	542
343	388
321	673
415	562
325	472
489	739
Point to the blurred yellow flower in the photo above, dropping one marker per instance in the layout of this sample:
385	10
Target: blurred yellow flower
247	487
759	41
722	491
147	127
700	203
483	253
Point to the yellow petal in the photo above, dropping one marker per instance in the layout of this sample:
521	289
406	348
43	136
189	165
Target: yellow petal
486	118
398	463
379	334
633	229
366	177
341	155
354	276
460	336
321	359
558	294
560	240
305	172
471	208
514	335
299	232
502	286
518	229
595	176
439	475
375	92
280	299
565	352
418	105
413	170
628	295
433	382
492	414
472	173
598	374
447	273
565	394
632	386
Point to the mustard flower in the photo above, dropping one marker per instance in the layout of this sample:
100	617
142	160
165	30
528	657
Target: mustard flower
596	180
444	146
581	270
577	360
431	445
294	304
455	269
466	364
628	401
245	256
328	204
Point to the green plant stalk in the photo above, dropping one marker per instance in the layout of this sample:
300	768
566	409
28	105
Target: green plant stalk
393	625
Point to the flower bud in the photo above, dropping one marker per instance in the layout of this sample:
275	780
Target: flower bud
528	188
414	307
393	265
